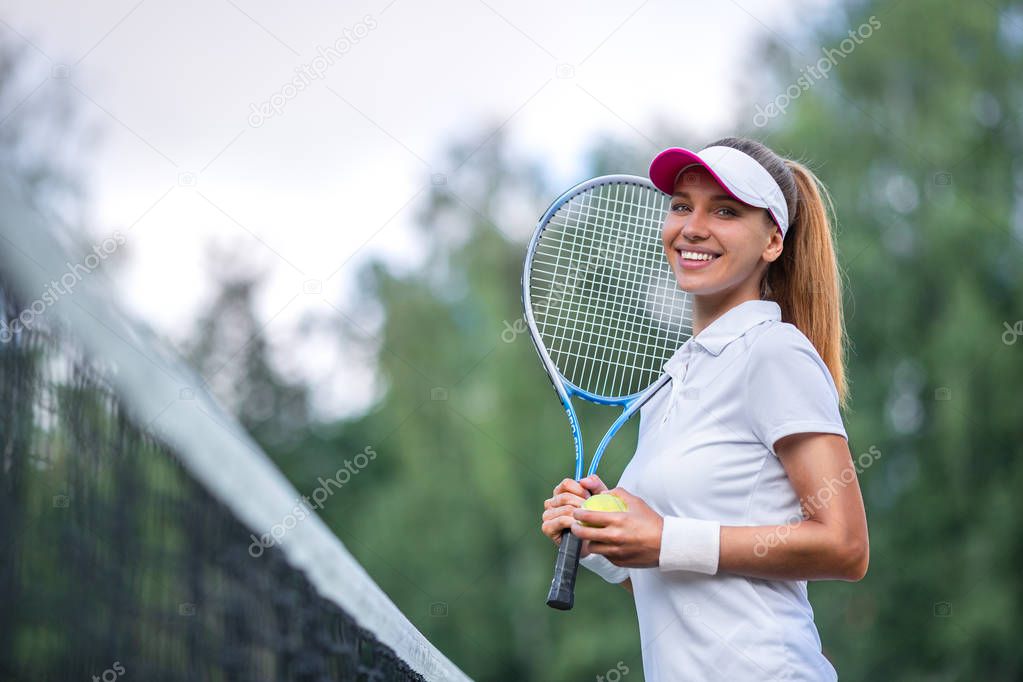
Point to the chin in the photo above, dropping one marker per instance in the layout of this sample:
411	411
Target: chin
698	286
692	284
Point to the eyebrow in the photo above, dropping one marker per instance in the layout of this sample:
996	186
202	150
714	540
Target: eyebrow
716	197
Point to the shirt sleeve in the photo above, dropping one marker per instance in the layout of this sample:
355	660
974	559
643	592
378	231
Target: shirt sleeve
603	567
789	388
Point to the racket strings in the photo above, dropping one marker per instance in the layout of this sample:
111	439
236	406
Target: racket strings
605	301
602	251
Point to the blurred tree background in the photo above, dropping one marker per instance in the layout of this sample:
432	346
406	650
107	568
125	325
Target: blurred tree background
916	131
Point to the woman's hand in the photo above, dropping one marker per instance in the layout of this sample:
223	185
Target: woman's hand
631	539
569	495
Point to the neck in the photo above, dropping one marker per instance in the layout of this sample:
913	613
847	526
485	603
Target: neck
709	307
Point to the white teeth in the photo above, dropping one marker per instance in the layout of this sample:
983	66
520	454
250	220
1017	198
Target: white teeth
694	255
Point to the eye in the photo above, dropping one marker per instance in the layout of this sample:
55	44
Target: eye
730	212
679	206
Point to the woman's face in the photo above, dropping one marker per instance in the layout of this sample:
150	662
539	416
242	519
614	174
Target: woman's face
716	243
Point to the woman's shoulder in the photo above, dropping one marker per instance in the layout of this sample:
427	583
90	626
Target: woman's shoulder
776	337
782	352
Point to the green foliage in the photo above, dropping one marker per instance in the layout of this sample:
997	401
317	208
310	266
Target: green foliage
916	134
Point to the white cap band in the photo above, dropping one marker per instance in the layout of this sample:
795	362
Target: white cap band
737	172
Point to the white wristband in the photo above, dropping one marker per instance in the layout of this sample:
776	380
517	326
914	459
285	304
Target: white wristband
690	545
602	566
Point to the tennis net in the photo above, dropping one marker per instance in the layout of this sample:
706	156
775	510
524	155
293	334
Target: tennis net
128	500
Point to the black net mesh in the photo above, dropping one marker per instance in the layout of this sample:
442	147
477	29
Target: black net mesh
117	563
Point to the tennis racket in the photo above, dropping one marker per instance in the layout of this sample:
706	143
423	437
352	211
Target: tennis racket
604	311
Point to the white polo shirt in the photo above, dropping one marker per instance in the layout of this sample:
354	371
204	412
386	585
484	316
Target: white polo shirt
706	451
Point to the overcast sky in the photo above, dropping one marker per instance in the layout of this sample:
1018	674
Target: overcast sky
333	172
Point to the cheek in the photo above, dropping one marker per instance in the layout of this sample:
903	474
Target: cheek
669	230
744	257
742	240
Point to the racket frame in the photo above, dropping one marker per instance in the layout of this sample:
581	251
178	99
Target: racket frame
562	590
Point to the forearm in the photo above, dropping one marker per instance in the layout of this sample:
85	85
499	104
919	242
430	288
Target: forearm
807	550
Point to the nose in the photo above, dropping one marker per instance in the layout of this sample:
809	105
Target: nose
695	226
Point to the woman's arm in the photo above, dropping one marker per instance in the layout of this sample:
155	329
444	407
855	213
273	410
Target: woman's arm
830	542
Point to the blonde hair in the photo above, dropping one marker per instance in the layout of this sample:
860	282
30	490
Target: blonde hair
805	281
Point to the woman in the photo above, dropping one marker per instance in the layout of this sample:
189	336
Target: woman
742	486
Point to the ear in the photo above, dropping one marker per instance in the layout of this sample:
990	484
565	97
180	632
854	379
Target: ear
775	245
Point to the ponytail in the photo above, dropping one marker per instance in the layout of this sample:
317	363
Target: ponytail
804	281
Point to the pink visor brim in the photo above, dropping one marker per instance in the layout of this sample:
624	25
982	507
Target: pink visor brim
665	167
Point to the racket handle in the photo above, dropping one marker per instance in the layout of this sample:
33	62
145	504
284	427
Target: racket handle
562	594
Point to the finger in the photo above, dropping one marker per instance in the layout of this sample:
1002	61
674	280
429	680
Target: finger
590	533
606	550
563	499
548	529
566	485
597	518
556	537
558	511
570	485
553	528
593	484
562	522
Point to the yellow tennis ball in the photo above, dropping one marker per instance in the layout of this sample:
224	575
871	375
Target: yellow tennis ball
604	502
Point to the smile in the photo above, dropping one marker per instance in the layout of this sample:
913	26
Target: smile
695	260
697	255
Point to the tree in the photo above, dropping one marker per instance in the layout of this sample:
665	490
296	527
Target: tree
914	130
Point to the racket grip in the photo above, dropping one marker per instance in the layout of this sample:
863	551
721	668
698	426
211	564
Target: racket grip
562	594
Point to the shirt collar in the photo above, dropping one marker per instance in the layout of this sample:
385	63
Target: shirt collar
731	325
